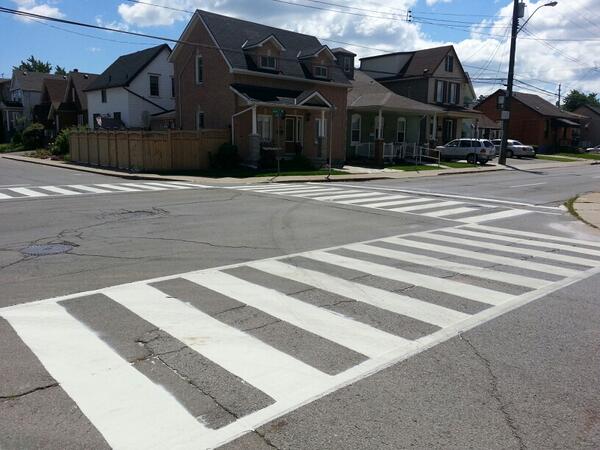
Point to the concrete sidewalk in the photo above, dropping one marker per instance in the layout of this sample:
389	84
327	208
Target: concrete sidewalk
588	208
368	175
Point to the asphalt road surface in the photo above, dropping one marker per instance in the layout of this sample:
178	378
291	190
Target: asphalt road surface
445	312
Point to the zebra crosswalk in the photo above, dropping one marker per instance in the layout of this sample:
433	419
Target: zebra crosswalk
19	193
429	206
370	303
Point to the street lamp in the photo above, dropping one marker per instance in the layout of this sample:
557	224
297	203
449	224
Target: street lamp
511	73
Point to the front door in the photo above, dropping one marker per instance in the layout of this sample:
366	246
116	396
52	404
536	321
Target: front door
448	133
293	134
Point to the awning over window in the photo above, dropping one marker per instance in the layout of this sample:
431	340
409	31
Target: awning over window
277	96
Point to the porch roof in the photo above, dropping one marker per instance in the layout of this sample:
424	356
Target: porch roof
278	96
368	94
568	123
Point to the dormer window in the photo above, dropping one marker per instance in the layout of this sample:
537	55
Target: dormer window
449	63
321	72
268	62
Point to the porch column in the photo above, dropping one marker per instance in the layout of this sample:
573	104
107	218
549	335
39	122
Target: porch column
254	132
254	141
322	127
434	136
378	153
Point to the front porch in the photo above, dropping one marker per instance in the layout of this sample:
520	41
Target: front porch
282	123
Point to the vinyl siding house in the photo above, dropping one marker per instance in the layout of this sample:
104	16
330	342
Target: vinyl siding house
133	89
434	76
534	121
272	88
376	113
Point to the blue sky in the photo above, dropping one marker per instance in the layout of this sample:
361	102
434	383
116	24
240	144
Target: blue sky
484	49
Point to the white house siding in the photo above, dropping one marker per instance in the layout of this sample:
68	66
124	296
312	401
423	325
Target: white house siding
117	100
132	107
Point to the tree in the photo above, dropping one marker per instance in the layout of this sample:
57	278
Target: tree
575	99
32	64
60	70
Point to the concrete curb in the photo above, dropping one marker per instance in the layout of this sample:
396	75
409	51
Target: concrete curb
587	209
256	180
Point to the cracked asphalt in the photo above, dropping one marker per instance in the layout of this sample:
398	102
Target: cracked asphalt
526	380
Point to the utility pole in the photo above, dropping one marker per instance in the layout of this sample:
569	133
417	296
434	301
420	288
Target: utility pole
517	13
559	94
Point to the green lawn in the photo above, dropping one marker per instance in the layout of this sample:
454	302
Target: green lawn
555	158
413	168
459	165
594	156
6	148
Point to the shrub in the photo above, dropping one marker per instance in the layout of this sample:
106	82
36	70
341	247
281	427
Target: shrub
226	158
60	146
33	136
17	139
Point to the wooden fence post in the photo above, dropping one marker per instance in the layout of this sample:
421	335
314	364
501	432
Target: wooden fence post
170	138
128	151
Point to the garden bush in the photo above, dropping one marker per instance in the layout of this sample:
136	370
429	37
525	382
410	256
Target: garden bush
226	157
33	136
60	146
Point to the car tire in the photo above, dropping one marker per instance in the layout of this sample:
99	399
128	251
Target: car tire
471	158
509	154
483	161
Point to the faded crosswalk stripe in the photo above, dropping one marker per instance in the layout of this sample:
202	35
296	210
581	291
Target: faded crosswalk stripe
16	193
456	210
130	410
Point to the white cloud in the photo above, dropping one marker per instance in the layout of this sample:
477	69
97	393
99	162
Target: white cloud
484	50
35	7
433	2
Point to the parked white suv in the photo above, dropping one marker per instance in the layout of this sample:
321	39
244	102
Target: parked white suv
480	150
514	148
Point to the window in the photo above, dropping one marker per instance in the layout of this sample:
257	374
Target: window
117	115
103	95
320	128
439	91
453	144
268	62
199	120
154	86
264	128
377	135
199	69
449	63
320	71
401	130
347	64
500	102
173	87
465	143
453	93
355	126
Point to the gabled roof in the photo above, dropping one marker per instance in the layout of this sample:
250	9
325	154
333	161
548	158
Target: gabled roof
594	109
260	42
124	70
31	81
541	106
343	51
279	96
420	62
230	34
54	90
80	82
367	93
313	52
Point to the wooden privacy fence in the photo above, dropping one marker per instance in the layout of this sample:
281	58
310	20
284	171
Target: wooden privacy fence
147	150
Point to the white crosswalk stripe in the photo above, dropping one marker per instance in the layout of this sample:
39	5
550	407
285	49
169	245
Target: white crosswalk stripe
457	210
131	410
17	193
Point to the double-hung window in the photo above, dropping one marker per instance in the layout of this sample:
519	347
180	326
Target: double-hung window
355	126
103	95
154	86
439	92
453	93
401	130
199	120
199	69
264	127
449	63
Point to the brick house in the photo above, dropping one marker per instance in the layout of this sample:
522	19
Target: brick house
433	76
534	121
272	88
590	125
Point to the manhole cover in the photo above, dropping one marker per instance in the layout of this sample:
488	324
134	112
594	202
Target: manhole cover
46	249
